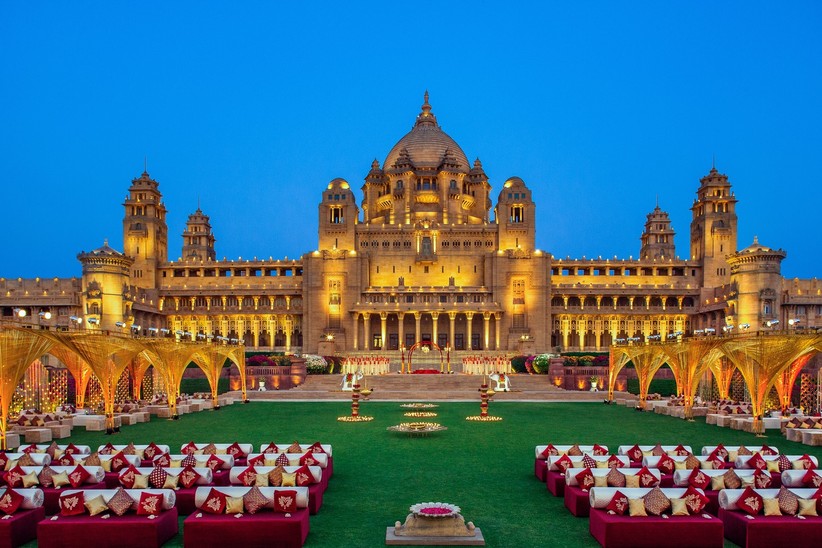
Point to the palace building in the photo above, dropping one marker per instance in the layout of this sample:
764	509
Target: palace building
431	253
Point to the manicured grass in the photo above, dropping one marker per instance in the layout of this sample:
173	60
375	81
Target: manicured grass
485	468
192	386
663	387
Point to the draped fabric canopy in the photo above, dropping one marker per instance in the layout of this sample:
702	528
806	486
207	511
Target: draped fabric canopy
212	358
78	368
689	361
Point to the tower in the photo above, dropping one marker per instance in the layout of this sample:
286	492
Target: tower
658	238
338	217
756	279
198	240
145	234
106	294
713	228
516	216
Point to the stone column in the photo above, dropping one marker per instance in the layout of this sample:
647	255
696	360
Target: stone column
468	317
496	330
356	330
417	319
289	327
434	317
401	327
452	318
383	329
366	331
486	324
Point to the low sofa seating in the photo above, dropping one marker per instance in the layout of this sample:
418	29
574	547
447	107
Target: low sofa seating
617	520
220	464
802	478
315	447
239	451
8	460
293	459
148	519
787	520
145	452
776	464
578	482
56	450
542	452
303	476
22	510
556	466
636	452
713	481
248	516
668	464
92	423
76	477
184	481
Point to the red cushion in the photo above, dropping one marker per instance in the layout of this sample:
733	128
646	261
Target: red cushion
78	476
248	476
188	477
30	449
285	501
694	500
698	479
304	476
634	453
308	459
618	504
73	504
128	476
784	463
272	448
107	449
10	501
151	451
812	479
563	463
681	451
666	464
234	450
259	460
157	478
118	462
14	477
809	465
214	462
164	460
750	501
585	479
65	460
3	461
215	502
756	461
818	497
316	447
150	504
72	449
189	460
646	478
767	450
189	448
614	462
762	480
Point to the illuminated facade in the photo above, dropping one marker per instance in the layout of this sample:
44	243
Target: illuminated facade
427	256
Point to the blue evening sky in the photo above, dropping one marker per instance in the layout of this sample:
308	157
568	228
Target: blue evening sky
253	107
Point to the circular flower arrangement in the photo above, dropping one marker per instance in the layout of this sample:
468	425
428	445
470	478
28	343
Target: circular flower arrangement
435	509
425	350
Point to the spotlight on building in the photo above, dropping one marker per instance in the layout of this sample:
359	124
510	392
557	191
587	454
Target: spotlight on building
93	321
727	328
153	330
179	332
794	321
76	319
699	332
120	324
744	326
20	312
771	323
46	315
165	331
710	331
200	336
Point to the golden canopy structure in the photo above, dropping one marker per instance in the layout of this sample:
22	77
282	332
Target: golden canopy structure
723	371
171	357
211	359
689	360
78	369
18	349
646	360
137	369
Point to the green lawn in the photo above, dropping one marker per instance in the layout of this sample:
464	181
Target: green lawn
485	468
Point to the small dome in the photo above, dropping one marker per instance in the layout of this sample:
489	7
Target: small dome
106	250
426	145
756	247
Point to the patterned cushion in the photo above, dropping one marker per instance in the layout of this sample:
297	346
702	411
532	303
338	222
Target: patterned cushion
151	451
92	460
656	503
694	500
750	502
107	449
215	503
66	460
44	477
190	460
634	453
234	450
285	501
157	478
118	462
272	448
214	462
657	451
756	461
120	502
762	480
188	477
588	461
585	479
72	449
210	449
130	449
248	476
128	475
164	460
10	501
259	460
254	500
807	462
304	476
680	451
150	504
698	479
618	504
72	505
78	476
275	477
666	464
575	451
812	479
646	478
614	462
615	478
26	460
294	448
189	448
744	451
691	462
731	480
788	502
600	451
766	450
308	459
563	463
14	477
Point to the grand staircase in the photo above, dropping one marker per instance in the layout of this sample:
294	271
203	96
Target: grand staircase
454	387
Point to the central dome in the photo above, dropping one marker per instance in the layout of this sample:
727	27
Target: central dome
427	145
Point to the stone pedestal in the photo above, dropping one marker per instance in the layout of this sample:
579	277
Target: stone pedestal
439	531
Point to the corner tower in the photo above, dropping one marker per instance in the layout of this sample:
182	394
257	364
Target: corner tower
106	294
338	217
198	240
145	234
713	228
658	238
756	276
516	217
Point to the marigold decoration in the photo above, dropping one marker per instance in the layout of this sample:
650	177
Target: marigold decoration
434	509
418	428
